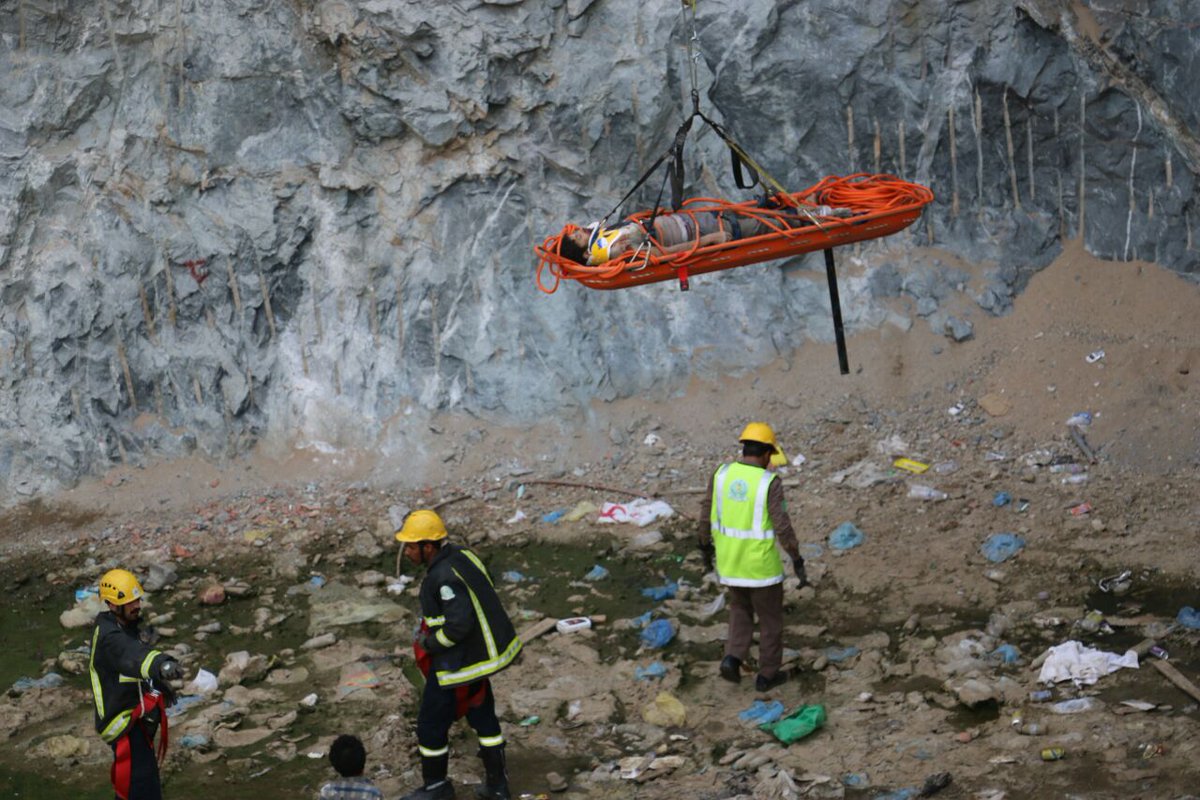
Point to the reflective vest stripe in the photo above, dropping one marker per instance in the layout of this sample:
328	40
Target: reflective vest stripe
118	725
491	741
482	669
433	752
434	622
489	641
443	638
147	661
478	565
97	692
751	583
760	505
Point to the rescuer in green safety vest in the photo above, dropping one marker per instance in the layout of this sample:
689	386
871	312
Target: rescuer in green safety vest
744	516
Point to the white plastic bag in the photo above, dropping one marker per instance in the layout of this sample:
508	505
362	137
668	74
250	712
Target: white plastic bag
203	683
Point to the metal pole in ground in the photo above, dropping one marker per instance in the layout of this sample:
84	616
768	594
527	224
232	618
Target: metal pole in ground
835	306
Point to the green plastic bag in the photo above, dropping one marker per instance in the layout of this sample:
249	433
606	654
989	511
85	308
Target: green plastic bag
796	725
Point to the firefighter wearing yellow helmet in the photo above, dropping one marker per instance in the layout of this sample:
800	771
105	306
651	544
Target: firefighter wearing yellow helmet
465	637
744	516
130	688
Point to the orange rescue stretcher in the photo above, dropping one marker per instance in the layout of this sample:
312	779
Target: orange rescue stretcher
871	206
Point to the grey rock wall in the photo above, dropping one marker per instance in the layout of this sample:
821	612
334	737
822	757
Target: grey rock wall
309	223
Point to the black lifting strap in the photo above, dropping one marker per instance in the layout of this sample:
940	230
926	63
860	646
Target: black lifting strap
674	171
675	166
737	163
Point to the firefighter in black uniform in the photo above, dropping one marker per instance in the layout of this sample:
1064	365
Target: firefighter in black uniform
466	636
130	686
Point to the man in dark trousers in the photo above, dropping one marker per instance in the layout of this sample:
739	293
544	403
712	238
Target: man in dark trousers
130	689
467	636
744	515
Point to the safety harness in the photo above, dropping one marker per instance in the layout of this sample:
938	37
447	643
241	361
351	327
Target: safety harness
466	696
122	768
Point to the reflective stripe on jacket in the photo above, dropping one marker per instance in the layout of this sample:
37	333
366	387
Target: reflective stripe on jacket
742	531
472	634
119	667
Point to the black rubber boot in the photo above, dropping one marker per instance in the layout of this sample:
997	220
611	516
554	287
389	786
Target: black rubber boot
496	787
437	785
731	669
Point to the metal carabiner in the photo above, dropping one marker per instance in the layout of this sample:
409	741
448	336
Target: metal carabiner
645	261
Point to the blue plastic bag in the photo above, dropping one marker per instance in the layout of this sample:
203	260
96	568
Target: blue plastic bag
654	670
598	573
1002	546
51	680
554	516
836	654
846	536
182	704
761	713
1006	654
1001	499
1189	617
811	550
658	633
664	592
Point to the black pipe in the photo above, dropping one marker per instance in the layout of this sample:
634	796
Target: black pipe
835	305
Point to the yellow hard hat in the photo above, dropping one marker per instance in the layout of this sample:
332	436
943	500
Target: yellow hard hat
761	432
118	586
422	525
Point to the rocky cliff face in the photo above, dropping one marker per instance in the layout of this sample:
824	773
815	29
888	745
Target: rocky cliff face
310	222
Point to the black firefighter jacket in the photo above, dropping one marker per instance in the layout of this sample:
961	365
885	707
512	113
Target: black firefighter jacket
471	636
121	667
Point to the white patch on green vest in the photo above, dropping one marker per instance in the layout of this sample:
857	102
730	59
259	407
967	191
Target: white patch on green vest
447	593
739	490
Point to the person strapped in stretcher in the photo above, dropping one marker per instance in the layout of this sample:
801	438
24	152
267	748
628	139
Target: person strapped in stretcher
681	231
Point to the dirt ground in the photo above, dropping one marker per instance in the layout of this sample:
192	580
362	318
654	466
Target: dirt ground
989	414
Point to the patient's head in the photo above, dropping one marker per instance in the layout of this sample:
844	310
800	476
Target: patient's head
574	245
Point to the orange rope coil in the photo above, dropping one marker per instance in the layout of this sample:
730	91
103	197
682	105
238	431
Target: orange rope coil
868	198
